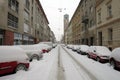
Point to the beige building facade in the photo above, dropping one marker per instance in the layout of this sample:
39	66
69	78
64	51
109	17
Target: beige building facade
22	22
88	33
96	22
108	23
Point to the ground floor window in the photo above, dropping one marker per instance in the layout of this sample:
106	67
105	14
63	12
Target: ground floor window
17	39
1	39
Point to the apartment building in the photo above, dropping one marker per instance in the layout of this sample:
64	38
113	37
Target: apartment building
88	22
76	26
108	23
11	22
22	22
69	34
84	23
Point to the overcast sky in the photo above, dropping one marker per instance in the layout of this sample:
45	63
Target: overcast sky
55	17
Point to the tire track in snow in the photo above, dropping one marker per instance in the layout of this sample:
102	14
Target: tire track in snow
91	76
60	75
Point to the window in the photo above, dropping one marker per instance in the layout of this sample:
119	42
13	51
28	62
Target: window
26	28
27	4
12	21
109	10
110	34
14	5
91	23
85	2
26	15
99	16
91	9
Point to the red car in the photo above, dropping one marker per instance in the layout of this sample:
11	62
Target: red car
99	53
45	50
12	59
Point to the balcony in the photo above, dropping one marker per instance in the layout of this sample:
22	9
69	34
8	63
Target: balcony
85	19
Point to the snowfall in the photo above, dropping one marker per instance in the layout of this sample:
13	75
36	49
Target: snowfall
64	64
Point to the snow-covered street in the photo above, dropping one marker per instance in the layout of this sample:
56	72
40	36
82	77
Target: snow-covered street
64	64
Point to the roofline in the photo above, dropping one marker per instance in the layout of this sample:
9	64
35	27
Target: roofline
42	10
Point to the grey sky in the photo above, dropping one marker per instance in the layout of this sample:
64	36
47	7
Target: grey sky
55	17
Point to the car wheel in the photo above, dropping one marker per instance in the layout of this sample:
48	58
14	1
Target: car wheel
112	63
88	56
20	67
98	59
35	57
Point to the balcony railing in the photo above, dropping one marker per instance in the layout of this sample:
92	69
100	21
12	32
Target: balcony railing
12	23
85	19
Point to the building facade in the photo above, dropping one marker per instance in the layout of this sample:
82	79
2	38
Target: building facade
108	23
76	25
22	22
88	22
96	22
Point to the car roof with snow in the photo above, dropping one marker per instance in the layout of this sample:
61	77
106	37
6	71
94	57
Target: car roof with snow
101	50
11	53
84	47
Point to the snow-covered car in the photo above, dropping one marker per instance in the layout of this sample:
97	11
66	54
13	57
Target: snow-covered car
83	49
54	45
12	59
115	58
32	51
99	53
69	46
75	47
45	48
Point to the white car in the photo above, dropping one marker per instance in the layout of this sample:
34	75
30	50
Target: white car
75	47
115	58
83	49
32	51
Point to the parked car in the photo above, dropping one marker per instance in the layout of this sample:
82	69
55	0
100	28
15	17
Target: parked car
12	59
115	58
99	53
32	51
75	47
83	49
69	46
47	46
